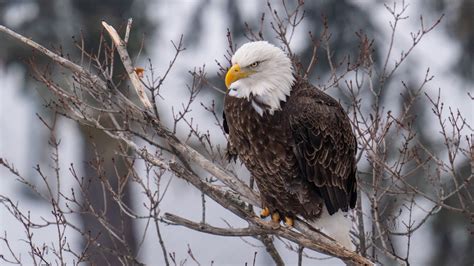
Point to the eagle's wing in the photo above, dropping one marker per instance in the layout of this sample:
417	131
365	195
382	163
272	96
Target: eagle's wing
324	147
224	123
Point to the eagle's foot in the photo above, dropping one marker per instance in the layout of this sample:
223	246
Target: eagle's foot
275	221
265	213
289	221
276	217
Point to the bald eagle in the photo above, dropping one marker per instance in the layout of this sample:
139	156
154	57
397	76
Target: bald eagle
296	141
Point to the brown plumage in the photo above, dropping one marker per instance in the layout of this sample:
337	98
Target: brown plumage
301	155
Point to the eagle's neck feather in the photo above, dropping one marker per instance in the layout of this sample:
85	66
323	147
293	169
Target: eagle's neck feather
267	92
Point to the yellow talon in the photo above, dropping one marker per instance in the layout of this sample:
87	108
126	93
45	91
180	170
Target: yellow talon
276	217
289	221
265	213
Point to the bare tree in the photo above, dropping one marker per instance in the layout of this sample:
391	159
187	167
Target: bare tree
392	160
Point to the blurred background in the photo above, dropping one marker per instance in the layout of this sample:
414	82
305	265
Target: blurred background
448	51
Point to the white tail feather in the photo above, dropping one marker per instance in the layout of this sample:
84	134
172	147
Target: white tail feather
337	226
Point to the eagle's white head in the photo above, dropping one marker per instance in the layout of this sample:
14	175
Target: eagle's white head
261	73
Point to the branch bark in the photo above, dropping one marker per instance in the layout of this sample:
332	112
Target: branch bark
127	63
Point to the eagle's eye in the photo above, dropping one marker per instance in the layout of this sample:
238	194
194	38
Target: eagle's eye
254	64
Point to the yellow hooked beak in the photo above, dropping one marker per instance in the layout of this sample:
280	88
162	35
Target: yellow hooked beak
234	74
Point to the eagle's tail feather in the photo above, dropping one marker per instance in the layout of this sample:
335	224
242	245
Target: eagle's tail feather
337	226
